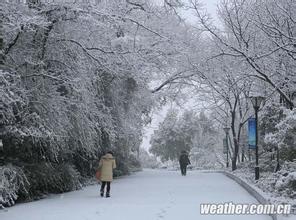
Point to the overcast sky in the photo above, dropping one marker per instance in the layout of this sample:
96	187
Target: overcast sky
210	6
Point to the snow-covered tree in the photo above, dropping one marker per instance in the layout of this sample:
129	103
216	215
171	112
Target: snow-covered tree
75	83
190	132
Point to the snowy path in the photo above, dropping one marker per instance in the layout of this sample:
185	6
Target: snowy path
147	195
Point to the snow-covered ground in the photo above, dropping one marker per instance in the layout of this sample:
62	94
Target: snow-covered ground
147	195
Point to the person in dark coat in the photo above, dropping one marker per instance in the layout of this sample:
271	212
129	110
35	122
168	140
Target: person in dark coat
184	162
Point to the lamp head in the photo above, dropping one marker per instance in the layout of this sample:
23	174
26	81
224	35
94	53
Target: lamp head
226	129
256	101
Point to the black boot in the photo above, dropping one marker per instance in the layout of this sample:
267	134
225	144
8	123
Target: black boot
102	193
107	195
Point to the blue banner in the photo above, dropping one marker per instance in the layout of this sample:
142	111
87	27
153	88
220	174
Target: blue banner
252	133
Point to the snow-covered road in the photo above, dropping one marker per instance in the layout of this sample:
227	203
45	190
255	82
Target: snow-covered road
147	195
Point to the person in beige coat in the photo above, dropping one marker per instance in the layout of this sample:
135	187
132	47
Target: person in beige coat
106	165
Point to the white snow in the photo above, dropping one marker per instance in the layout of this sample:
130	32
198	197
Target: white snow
147	195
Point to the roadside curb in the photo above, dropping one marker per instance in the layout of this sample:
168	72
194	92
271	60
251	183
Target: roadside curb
250	189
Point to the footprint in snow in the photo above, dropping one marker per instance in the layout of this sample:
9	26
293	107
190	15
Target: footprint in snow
161	213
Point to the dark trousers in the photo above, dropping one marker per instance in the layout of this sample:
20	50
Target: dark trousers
103	186
183	170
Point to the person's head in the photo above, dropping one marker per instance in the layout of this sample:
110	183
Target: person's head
183	152
110	152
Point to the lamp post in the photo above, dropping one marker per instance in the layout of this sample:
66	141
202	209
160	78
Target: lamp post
256	101
226	129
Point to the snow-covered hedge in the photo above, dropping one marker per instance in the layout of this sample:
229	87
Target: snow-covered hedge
285	180
281	185
35	181
12	181
50	178
283	134
286	184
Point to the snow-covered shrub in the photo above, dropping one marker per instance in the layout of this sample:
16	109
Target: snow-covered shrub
122	166
271	115
148	161
284	135
52	178
281	183
70	178
12	181
286	184
280	186
133	163
267	162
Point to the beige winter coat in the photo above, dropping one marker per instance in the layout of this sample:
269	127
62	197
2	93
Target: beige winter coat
106	165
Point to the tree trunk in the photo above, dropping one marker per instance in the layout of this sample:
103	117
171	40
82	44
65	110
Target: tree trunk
235	154
235	142
234	167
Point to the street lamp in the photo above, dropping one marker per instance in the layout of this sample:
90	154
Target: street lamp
256	101
226	129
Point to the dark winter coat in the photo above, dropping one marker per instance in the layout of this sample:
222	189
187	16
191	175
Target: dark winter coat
184	160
